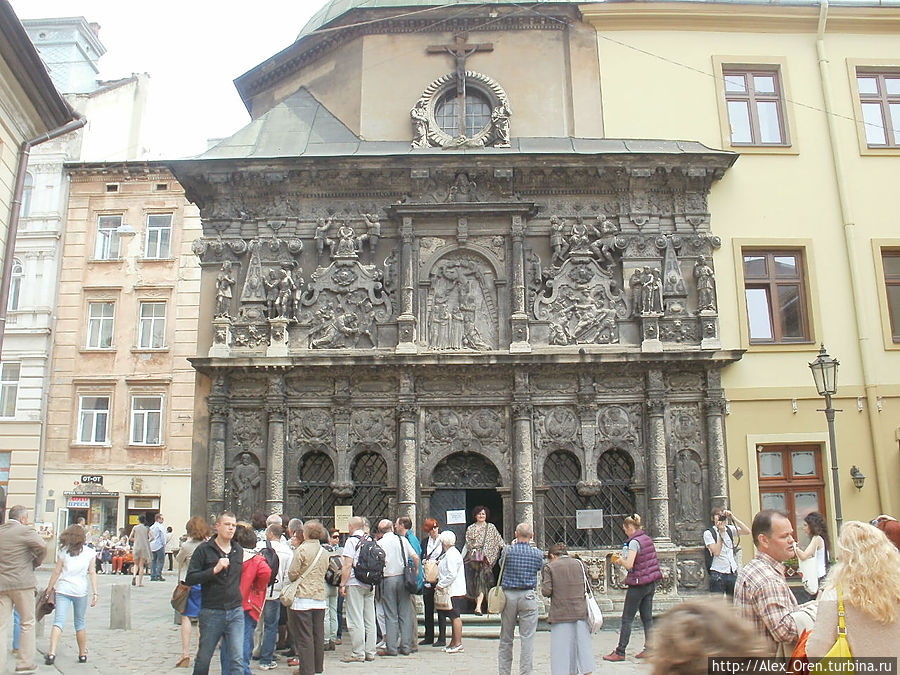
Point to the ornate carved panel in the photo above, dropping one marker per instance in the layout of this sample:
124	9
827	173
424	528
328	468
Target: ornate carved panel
461	310
465	430
619	426
556	427
469	470
372	428
310	428
247	431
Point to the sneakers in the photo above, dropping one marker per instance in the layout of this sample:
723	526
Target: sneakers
355	659
614	656
454	650
268	666
439	643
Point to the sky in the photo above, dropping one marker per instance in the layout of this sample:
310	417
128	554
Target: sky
192	50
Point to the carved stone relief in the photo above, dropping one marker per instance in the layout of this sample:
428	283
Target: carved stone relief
689	495
461	304
247	430
372	428
690	573
310	427
465	429
556	427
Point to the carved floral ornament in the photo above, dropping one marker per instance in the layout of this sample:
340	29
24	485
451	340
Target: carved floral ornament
431	120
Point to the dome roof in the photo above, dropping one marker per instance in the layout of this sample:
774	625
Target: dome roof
334	9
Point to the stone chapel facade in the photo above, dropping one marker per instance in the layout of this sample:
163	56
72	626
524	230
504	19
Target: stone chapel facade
411	310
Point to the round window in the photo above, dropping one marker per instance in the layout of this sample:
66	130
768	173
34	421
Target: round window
478	113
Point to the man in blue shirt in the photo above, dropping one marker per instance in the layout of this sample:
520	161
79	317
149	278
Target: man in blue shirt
157	549
521	564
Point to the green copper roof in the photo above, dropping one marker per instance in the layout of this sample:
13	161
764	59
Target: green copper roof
336	8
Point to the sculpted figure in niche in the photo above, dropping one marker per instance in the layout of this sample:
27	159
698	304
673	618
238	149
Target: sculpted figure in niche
369	240
690	487
348	244
298	292
224	284
419	116
558	243
321	236
286	292
646	289
244	482
605	245
706	285
272	292
579	239
500	118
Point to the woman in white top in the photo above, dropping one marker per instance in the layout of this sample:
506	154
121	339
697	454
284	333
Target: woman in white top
815	527
452	578
74	568
432	550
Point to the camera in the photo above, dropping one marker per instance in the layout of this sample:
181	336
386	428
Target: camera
722	518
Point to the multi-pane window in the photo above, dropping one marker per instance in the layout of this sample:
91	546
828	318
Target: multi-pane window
879	98
146	420
791	479
776	296
159	236
27	191
755	106
15	284
478	113
108	242
891	262
100	325
152	325
9	388
93	419
5	462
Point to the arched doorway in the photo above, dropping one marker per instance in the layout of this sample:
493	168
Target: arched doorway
463	481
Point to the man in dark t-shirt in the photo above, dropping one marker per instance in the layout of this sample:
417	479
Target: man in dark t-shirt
216	565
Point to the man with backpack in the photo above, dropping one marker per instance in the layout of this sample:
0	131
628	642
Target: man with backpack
363	569
278	555
721	541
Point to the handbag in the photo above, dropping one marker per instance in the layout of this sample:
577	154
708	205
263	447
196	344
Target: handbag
289	590
46	603
841	648
180	597
595	616
410	574
496	597
809	573
430	568
442	599
478	554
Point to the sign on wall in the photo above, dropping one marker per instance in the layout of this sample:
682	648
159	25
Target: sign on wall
92	479
78	502
589	519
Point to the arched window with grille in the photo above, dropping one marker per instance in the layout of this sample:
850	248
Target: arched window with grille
562	471
313	497
370	500
615	470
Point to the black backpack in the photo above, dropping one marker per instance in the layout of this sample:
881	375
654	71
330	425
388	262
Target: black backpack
335	569
271	556
707	553
369	566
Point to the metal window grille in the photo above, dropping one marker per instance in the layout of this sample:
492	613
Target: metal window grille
369	474
313	497
562	471
616	472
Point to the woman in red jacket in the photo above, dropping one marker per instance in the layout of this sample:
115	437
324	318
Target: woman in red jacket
255	575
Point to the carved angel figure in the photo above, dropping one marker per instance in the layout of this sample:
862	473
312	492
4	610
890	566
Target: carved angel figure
558	243
224	284
419	116
500	118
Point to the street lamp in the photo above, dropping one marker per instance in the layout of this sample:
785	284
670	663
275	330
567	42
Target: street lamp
824	370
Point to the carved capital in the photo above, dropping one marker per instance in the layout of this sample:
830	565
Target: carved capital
276	410
656	407
218	412
714	406
522	410
408	412
342	488
518	228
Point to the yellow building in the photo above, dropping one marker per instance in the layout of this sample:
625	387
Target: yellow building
807	215
120	419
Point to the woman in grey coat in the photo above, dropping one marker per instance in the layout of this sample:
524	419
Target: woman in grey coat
564	582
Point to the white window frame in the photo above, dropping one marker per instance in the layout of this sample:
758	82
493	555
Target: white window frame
140	418
15	285
27	193
101	322
109	243
147	325
9	388
154	251
92	414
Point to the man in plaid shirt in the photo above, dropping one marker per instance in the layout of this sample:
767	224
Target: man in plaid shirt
761	592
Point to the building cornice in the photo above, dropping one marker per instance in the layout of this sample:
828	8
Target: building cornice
739	17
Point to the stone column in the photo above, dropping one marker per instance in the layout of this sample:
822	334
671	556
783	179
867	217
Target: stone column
408	472
518	318
523	452
716	452
658	474
215	485
275	407
342	486
406	321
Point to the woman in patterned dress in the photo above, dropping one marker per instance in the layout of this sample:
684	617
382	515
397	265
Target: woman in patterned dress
483	546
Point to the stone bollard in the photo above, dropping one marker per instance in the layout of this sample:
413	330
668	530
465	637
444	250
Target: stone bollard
120	607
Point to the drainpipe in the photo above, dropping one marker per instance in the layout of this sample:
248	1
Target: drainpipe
16	208
863	325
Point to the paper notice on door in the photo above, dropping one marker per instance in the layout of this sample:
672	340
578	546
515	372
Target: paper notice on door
342	516
456	517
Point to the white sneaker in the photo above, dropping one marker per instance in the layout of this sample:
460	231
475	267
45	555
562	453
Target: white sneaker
268	666
454	650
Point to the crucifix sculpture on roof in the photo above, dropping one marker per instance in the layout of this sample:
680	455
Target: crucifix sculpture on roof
461	50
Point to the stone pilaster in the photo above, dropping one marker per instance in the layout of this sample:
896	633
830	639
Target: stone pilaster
650	333
715	443
278	337
342	485
218	425
221	346
408	414
277	412
523	452
406	321
518	318
658	475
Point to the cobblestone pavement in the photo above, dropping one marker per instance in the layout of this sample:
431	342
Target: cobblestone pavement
153	645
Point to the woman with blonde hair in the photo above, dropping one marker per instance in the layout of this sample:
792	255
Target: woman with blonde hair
307	613
198	531
75	567
867	579
701	629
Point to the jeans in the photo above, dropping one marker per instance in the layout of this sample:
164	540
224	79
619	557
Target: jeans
246	649
360	606
331	613
220	624
270	615
63	603
637	598
157	558
23	601
521	608
722	583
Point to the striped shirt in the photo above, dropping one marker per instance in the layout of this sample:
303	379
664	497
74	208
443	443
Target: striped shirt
762	596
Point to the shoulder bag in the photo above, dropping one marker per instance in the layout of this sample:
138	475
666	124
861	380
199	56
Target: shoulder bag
180	597
442	599
595	616
841	648
410	575
496	598
430	569
289	591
